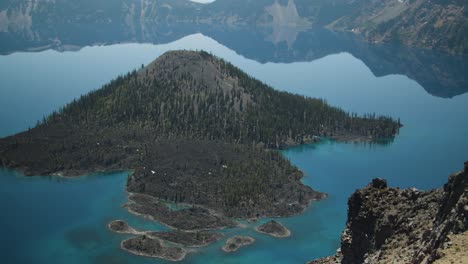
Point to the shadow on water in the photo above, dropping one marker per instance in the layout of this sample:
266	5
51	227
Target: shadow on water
84	238
109	258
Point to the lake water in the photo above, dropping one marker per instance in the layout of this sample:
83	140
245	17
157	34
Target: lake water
58	220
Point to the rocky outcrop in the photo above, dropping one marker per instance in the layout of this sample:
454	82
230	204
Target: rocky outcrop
388	225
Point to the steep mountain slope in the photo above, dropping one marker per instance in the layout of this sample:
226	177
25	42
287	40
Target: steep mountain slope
194	129
434	24
387	225
195	95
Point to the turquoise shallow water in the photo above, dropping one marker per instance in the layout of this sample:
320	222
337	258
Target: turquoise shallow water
58	220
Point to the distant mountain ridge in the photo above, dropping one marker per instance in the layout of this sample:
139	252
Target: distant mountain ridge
431	24
27	27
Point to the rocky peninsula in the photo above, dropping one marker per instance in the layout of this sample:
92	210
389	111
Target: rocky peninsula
274	229
234	243
191	219
390	225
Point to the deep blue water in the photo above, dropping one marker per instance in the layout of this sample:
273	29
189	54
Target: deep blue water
58	220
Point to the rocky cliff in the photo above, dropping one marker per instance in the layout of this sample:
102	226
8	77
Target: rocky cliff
390	225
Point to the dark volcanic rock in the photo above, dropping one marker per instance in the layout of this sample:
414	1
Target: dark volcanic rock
387	225
274	228
379	183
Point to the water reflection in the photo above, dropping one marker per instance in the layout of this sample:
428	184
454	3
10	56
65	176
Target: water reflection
265	31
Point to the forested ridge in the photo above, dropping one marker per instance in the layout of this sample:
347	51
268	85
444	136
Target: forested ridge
194	129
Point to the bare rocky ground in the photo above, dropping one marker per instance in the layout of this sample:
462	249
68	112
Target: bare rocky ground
456	251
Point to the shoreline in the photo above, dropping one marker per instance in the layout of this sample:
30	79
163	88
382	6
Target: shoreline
149	217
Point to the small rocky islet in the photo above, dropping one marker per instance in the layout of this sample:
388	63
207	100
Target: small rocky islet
234	243
273	228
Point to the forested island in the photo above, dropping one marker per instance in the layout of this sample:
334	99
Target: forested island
193	129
